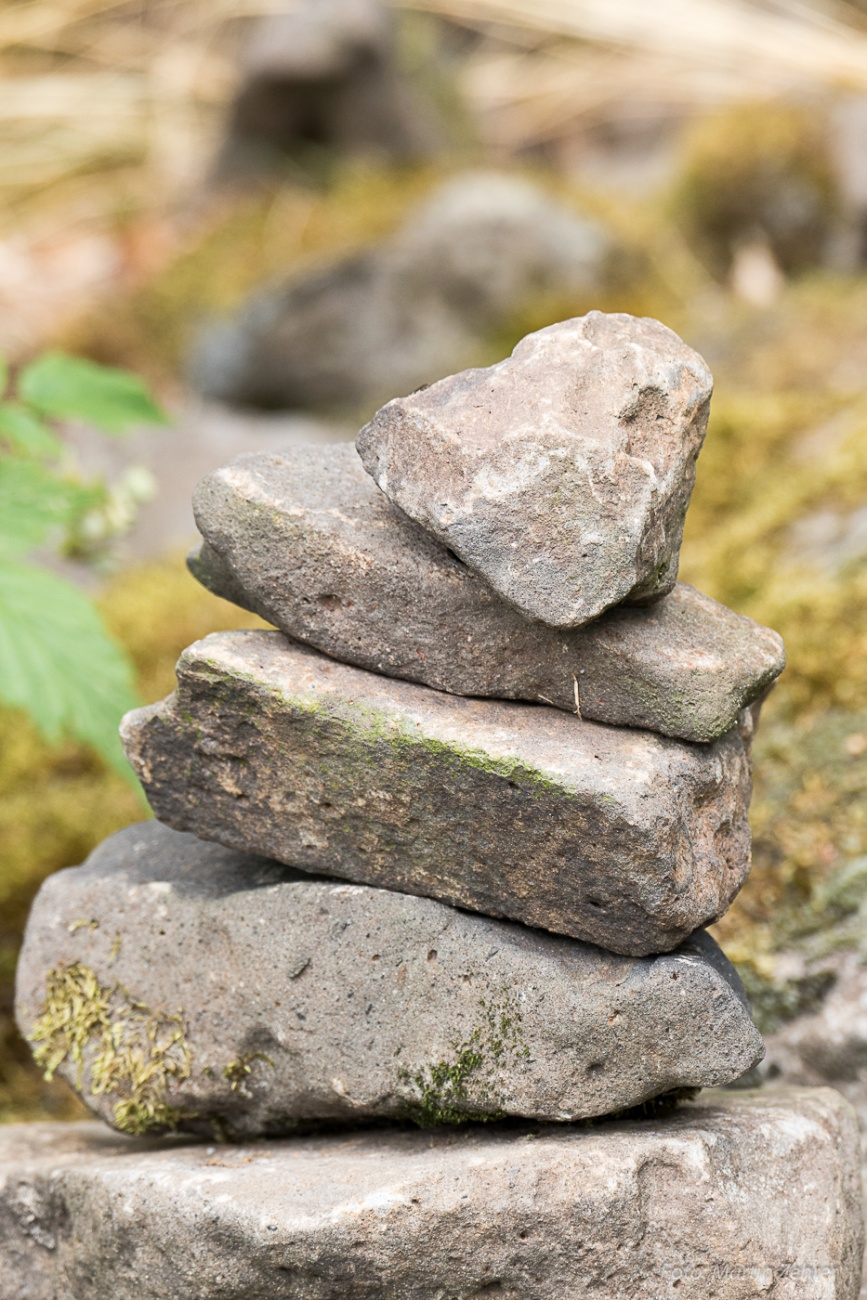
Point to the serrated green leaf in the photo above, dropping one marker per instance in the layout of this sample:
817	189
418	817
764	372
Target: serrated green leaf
76	389
58	663
33	501
26	432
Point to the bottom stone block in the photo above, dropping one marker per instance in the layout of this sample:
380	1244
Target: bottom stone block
736	1196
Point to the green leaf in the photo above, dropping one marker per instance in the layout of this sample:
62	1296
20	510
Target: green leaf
26	432
58	663
4	374
33	501
76	389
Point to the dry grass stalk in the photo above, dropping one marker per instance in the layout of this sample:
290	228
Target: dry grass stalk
547	67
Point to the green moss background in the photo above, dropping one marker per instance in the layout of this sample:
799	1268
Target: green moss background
787	442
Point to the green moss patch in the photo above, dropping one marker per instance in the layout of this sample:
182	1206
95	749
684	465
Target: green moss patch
115	1045
237	1072
463	1087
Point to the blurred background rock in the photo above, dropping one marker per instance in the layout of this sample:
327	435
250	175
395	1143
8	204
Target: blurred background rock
282	214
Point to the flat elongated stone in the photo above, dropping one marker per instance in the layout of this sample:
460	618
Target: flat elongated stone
306	540
562	474
736	1196
615	836
306	999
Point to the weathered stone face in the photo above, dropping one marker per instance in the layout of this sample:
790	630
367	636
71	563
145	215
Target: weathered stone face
618	837
306	540
562	474
827	1044
735	1196
305	999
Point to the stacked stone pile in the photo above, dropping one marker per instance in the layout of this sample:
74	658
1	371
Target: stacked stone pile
442	847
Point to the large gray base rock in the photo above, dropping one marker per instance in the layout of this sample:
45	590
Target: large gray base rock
302	999
562	474
306	540
618	837
732	1198
828	1045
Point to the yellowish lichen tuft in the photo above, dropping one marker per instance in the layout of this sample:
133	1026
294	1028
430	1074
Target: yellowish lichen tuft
237	1072
82	924
115	1045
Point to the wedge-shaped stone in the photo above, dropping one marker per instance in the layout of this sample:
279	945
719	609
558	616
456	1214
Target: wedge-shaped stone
736	1196
562	474
307	540
295	998
615	836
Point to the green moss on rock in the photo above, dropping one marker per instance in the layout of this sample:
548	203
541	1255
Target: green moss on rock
117	1046
238	1071
463	1087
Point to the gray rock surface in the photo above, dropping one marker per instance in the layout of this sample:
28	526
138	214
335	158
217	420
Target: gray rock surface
307	999
735	1196
406	312
619	837
562	475
305	539
828	1044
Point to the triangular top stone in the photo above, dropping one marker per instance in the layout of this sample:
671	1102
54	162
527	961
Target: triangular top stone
562	474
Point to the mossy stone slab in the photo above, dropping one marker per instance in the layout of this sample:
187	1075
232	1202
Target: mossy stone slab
561	475
735	1196
305	539
293	998
619	837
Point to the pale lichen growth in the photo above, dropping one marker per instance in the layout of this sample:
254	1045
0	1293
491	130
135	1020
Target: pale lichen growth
82	924
126	1050
238	1071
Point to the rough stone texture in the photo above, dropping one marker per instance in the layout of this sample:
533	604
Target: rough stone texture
346	1002
619	837
562	474
733	1197
307	540
408	311
829	1044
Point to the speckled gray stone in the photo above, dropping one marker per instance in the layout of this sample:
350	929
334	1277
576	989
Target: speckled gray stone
619	837
562	475
345	1002
736	1196
305	539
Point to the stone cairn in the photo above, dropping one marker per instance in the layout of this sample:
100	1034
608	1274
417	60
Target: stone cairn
441	849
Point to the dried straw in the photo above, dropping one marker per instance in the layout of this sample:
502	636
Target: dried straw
547	66
96	84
